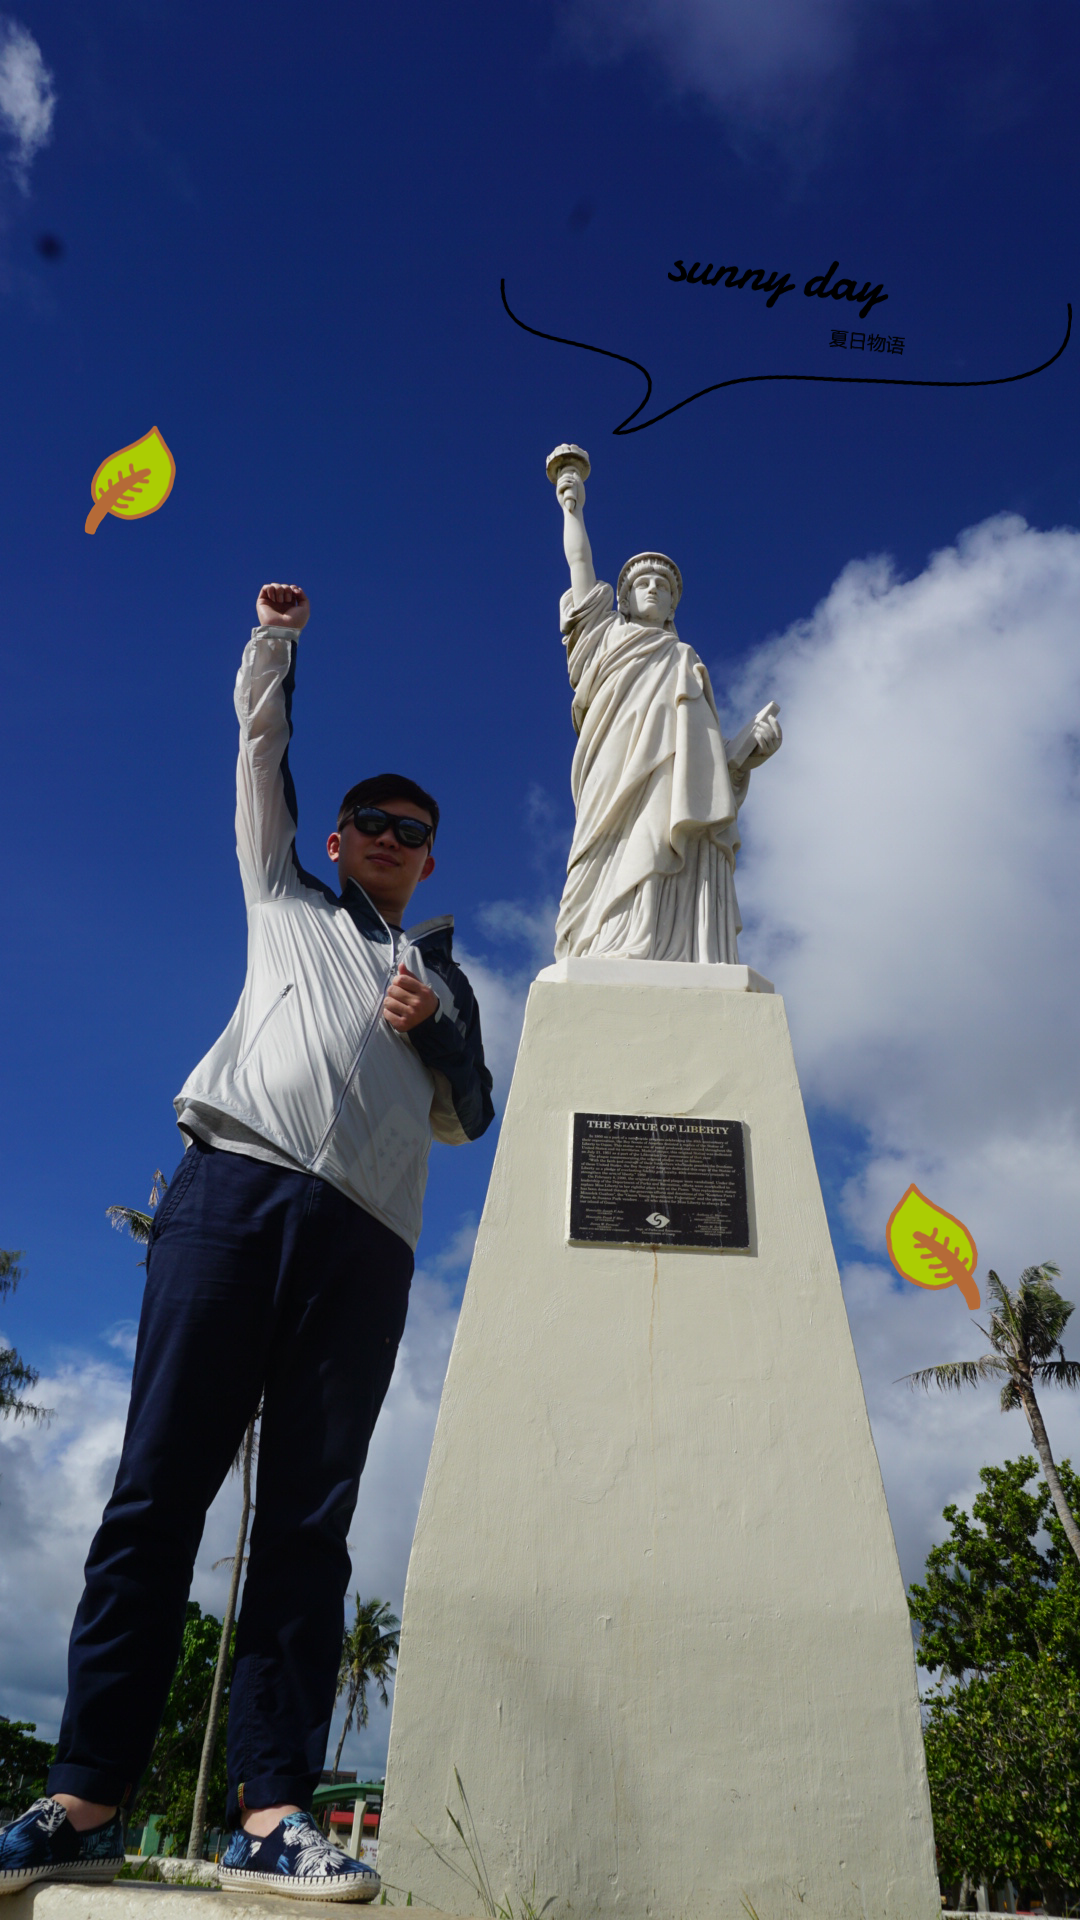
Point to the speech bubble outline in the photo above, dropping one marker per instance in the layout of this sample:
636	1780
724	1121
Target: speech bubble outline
749	379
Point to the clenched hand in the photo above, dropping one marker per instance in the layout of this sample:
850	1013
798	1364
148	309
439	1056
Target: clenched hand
408	1001
279	605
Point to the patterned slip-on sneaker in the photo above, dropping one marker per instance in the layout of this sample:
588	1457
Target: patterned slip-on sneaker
42	1844
297	1859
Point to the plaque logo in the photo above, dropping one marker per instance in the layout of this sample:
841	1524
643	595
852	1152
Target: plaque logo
657	1220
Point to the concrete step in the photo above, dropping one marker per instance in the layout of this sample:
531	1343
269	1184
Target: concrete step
139	1900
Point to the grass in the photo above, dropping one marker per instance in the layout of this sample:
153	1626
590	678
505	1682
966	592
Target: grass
478	1879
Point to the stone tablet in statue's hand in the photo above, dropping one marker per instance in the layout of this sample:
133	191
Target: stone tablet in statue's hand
767	736
570	490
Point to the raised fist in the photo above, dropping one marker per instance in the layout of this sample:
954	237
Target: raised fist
281	606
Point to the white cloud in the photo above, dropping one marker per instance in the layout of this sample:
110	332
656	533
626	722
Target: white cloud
501	998
724	50
54	1482
27	97
910	883
123	1336
910	871
522	924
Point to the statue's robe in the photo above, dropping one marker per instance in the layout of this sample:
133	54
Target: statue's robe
652	865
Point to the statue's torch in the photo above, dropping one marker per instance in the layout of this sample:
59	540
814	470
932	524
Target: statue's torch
568	455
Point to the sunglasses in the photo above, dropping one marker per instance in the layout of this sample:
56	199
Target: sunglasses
407	832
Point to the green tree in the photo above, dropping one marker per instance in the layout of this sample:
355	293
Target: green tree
1003	1760
1025	1330
999	1613
15	1375
168	1785
1004	1581
24	1762
369	1652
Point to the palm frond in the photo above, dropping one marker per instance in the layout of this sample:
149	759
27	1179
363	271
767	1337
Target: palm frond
1005	1332
954	1374
1044	1312
140	1225
996	1286
26	1410
1060	1373
1047	1270
1026	1325
10	1270
15	1373
15	1377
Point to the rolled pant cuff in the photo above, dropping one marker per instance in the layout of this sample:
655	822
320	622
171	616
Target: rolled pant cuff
104	1787
270	1790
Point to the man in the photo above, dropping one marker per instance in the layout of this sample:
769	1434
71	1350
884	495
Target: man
279	1266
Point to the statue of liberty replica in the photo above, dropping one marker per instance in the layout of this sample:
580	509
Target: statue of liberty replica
651	873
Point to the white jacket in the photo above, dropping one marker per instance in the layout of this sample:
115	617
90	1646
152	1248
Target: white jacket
307	1063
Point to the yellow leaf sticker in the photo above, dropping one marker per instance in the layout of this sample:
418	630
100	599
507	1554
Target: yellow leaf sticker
136	481
930	1247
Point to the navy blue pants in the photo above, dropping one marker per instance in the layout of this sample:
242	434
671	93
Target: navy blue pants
259	1280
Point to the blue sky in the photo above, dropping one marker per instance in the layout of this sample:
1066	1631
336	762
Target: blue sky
283	235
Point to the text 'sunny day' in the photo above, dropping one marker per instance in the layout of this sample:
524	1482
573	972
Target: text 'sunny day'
820	286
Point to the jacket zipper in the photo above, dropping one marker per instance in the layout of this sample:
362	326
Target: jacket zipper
270	1011
351	1075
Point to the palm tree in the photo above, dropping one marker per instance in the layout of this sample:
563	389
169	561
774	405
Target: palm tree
15	1374
139	1224
1025	1329
368	1652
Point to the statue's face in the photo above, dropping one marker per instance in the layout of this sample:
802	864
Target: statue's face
650	599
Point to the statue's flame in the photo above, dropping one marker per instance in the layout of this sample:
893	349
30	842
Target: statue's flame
920	1249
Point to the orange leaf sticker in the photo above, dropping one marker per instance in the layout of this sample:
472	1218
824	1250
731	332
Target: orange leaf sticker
930	1247
132	483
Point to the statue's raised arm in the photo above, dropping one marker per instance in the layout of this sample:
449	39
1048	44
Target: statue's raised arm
568	467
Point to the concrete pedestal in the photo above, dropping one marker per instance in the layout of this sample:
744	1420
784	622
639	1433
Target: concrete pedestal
654	1615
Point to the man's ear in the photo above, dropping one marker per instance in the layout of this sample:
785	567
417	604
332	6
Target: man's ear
428	867
333	847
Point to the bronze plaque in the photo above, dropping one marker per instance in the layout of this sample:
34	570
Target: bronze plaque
650	1180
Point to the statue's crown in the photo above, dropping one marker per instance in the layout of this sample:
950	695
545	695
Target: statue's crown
648	563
